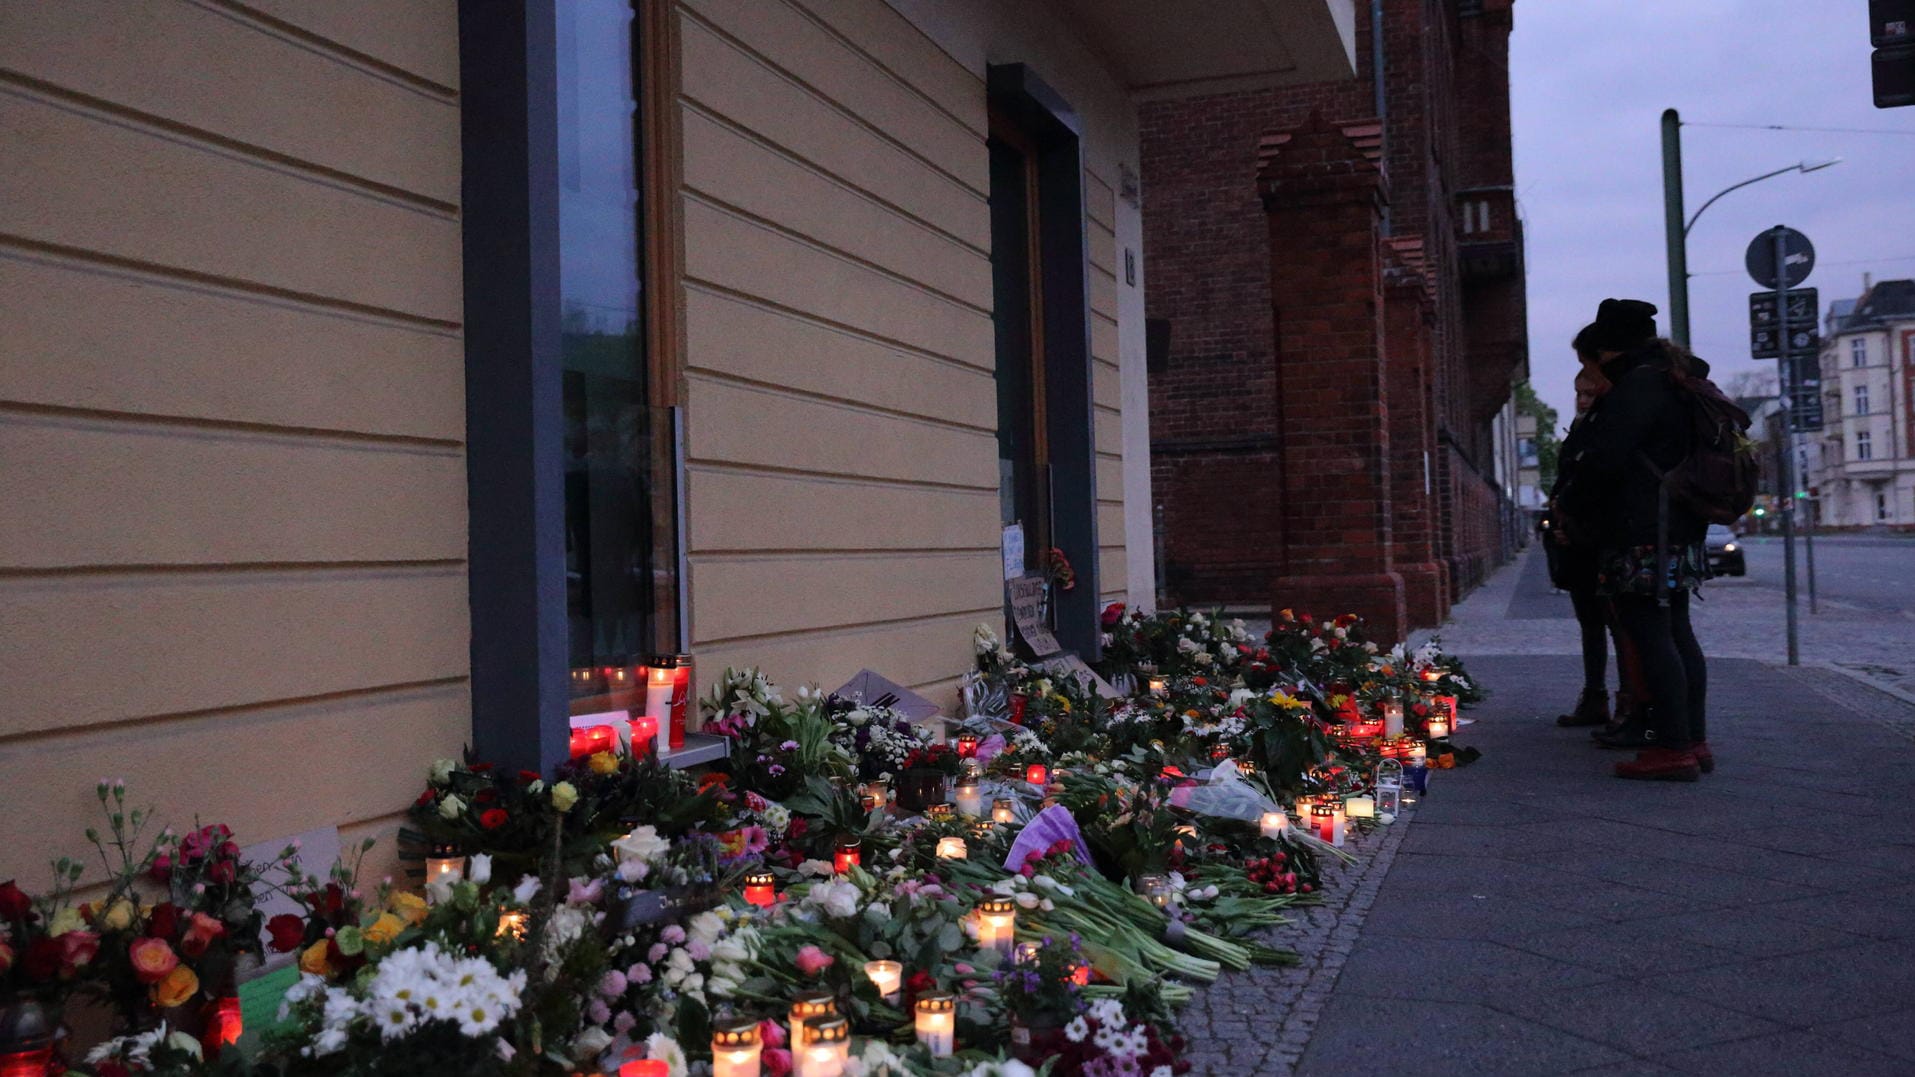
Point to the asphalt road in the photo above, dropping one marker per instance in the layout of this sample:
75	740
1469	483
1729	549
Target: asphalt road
1864	572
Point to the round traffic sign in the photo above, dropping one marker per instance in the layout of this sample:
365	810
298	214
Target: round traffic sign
1798	257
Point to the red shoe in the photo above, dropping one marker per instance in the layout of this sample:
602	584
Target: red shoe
1661	765
1705	759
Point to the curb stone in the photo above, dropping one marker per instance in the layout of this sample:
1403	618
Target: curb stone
1260	1021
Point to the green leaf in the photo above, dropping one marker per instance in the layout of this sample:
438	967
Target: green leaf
950	938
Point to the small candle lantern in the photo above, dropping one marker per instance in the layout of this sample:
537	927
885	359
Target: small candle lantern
224	1025
827	1046
1026	953
1419	754
659	677
1430	674
1389	787
876	794
1445	706
996	924
648	1067
1273	823
967	745
591	739
1037	774
1439	728
1360	808
1003	811
735	1048
1155	889
1393	718
1159	686
1219	752
1322	819
940	811
806	1007
680	696
982	829
445	863
952	848
937	1023
970	796
642	732
887	977
512	924
849	854
1246	768
26	1039
761	889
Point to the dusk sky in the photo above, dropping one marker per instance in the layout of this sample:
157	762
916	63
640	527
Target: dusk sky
1589	80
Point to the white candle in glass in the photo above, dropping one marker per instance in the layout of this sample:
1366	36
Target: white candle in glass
937	1023
1360	807
735	1048
887	977
1274	823
1393	718
952	848
997	924
970	797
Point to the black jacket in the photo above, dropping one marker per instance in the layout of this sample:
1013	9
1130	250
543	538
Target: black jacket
1606	487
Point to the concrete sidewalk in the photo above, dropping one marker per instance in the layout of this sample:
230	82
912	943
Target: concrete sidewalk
1543	917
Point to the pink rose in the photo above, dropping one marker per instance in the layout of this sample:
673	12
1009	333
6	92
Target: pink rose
771	1033
812	961
776	1062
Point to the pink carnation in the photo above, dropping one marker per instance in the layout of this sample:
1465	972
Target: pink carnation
639	973
812	961
612	984
672	934
771	1033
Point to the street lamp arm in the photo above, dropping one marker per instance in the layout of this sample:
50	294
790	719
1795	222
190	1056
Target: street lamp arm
1736	187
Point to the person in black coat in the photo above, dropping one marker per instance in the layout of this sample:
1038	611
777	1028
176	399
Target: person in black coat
1650	555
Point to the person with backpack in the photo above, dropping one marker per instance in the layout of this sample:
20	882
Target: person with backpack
1663	454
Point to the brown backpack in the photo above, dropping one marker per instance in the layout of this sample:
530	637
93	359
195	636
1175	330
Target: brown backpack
1717	477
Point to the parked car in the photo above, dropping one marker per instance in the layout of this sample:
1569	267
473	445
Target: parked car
1725	551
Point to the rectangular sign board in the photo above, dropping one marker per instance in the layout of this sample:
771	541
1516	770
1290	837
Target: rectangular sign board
1027	612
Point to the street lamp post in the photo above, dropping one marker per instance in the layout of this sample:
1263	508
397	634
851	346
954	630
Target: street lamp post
1676	230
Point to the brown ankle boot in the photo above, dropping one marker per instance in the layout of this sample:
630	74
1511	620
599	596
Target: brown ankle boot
1661	765
1592	708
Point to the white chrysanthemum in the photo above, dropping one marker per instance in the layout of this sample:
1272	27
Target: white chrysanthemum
1107	1011
663	1047
1077	1029
329	1041
393	1018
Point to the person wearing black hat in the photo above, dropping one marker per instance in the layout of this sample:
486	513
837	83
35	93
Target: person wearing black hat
1650	556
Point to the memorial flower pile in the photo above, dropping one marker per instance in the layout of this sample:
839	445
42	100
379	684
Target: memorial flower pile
1070	860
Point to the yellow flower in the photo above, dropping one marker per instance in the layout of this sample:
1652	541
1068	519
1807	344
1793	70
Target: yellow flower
1285	699
177	989
385	929
67	919
564	795
602	763
118	916
315	960
410	907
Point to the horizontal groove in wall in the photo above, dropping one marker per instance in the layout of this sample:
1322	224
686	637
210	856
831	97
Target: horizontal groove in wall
727	292
230	284
777	389
735	467
304	434
119	574
159	126
942	56
840	554
327	46
758	139
842	255
850	627
148	720
837	106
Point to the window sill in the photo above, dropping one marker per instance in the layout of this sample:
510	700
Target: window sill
699	748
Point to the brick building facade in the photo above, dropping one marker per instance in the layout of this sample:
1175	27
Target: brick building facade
1338	300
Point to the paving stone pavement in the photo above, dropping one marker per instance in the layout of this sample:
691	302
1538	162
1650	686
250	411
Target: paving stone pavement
1541	916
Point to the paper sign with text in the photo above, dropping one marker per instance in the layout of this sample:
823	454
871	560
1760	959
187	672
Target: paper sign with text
1027	605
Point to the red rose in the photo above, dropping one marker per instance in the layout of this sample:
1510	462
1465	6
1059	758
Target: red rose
201	930
479	768
162	868
287	932
15	905
1112	614
77	950
223	871
163	921
493	818
425	798
528	776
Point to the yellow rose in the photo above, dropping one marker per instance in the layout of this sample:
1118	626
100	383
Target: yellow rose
410	907
564	795
385	929
316	960
118	916
67	919
602	763
177	989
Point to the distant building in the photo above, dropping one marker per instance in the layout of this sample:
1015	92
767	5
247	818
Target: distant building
1861	465
1530	494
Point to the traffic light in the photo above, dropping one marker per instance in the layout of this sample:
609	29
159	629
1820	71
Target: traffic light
1891	29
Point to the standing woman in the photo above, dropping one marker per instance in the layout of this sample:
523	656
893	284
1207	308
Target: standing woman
1650	556
1572	568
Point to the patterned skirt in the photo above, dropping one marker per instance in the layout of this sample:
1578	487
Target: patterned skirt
1632	571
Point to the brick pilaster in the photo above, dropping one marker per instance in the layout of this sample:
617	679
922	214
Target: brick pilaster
1323	189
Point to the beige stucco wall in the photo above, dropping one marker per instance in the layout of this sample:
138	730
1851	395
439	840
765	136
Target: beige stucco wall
231	412
841	429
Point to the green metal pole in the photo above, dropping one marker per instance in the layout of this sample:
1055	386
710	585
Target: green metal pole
1672	227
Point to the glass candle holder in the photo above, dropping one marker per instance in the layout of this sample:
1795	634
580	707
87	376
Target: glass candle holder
940	811
735	1048
1158	686
967	745
937	1023
1393	718
970	797
887	977
445	863
806	1006
659	680
996	924
1272	824
1155	889
874	796
761	889
848	854
1439	728
953	848
1037	774
827	1046
1360	808
1003	811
